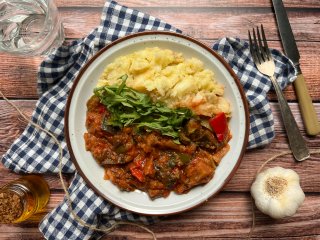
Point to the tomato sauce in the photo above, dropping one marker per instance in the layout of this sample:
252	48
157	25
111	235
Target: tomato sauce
148	161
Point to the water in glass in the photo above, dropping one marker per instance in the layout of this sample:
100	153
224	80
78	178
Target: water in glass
29	27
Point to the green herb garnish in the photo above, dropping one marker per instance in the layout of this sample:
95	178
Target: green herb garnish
129	107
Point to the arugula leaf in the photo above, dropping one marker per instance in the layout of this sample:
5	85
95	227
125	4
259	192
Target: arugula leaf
129	107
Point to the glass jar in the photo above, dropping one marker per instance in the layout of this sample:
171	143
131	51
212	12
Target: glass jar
22	198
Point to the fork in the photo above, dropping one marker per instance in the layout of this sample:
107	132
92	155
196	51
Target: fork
263	60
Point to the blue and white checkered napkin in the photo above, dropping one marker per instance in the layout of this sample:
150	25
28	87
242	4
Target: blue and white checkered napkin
35	152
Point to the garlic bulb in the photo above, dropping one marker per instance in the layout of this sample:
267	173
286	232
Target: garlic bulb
277	192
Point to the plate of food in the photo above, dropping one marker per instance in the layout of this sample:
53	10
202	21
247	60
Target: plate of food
156	123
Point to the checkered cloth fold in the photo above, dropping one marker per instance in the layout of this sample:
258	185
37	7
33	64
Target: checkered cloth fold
35	152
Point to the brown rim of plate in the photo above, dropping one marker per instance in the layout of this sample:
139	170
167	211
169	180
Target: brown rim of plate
83	69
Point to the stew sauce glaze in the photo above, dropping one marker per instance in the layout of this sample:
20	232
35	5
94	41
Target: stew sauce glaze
148	161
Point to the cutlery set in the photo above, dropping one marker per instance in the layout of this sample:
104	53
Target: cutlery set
265	64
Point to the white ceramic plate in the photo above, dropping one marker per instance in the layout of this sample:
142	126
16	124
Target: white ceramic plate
82	90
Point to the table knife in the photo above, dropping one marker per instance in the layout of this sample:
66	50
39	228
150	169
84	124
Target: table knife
308	112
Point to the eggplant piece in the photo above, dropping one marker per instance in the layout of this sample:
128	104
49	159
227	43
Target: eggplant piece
200	135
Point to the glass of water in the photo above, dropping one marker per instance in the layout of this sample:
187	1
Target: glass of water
29	27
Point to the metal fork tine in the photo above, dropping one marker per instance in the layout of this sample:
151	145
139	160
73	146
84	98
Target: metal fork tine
256	48
265	43
261	48
252	51
250	42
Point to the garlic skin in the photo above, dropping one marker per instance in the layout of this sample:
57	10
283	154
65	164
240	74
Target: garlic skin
277	192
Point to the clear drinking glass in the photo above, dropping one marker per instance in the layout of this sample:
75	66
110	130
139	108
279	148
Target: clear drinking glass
29	27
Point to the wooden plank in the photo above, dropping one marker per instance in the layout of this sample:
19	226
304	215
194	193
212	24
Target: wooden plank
79	22
79	3
217	3
217	23
12	124
228	215
189	3
24	234
210	23
20	81
308	170
18	76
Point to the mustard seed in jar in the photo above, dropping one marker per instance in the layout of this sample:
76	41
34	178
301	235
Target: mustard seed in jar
22	198
11	207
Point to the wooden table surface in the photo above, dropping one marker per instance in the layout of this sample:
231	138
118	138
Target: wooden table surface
227	215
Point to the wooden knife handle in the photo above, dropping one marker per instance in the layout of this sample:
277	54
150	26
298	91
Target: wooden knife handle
308	112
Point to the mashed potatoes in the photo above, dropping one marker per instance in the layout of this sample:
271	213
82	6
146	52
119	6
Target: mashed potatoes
168	77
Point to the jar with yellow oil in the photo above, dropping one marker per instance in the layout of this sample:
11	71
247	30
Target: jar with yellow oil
22	198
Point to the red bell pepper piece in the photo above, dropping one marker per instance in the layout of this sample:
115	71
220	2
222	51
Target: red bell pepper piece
219	125
137	168
137	172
